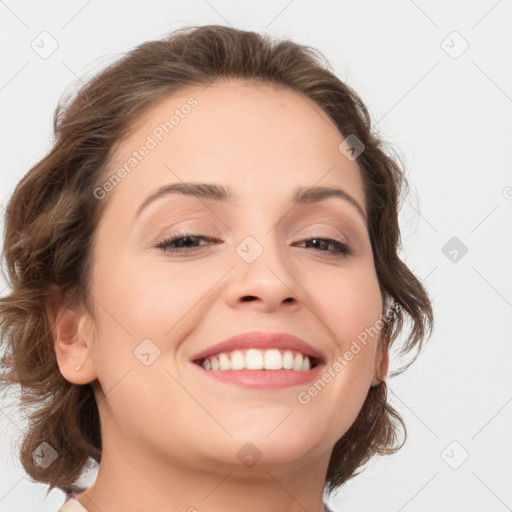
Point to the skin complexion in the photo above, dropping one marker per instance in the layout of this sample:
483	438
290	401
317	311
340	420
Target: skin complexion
170	280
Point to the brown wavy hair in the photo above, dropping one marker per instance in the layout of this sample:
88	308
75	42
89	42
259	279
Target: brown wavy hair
52	215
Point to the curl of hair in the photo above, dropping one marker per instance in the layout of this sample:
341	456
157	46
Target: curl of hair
52	215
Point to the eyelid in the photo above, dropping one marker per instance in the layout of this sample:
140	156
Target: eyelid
188	227
319	230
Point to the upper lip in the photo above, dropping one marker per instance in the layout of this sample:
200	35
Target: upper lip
262	340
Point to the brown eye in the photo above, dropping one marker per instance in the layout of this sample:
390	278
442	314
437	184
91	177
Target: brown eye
184	242
322	244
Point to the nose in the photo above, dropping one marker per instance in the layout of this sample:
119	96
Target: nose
262	278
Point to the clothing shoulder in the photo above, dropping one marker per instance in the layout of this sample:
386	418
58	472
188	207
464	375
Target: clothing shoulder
72	505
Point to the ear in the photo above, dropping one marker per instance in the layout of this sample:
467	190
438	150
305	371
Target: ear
72	338
381	366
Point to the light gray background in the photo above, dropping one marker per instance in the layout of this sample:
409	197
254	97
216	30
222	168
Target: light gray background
447	112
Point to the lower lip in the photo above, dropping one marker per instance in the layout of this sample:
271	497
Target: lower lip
263	379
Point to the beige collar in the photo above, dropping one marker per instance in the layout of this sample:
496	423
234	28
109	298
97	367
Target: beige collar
72	505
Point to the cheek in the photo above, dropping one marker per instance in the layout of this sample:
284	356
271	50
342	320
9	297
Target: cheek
144	314
144	299
168	300
147	311
348	302
347	299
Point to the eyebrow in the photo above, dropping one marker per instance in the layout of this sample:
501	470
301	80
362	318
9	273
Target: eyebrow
215	192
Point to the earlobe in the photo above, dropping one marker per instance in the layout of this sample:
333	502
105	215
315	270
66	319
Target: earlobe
381	366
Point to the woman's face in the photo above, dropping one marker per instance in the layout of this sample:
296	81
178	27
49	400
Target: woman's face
258	261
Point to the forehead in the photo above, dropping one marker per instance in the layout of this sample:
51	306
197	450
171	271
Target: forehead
250	136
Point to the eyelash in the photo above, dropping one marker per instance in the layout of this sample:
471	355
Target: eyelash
165	245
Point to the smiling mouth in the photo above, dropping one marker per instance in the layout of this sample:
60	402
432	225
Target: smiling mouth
258	359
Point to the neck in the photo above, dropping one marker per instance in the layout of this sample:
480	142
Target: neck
131	479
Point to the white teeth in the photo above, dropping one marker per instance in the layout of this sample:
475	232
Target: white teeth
288	360
237	360
273	359
297	362
254	359
224	362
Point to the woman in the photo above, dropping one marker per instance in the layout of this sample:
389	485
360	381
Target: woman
205	282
